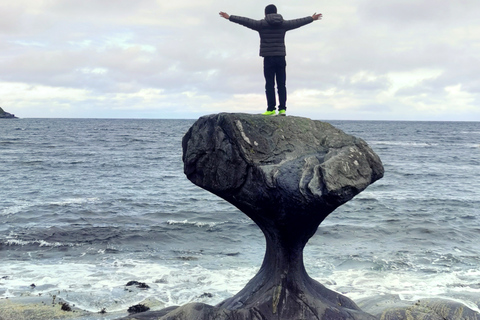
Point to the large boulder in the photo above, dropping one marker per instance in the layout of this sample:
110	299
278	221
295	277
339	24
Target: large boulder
287	174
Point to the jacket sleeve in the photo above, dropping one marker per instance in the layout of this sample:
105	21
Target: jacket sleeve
246	22
297	23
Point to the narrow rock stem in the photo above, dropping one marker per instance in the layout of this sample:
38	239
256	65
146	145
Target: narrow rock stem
282	268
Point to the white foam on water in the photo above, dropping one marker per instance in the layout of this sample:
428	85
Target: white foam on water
187	282
40	243
408	285
92	287
13	209
194	223
404	143
23	205
68	201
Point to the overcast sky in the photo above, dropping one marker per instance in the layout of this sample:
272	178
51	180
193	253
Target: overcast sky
365	60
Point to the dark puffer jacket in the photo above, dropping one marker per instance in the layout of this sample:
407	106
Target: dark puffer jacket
272	31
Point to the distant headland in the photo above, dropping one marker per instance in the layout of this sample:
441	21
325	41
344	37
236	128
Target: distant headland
6	115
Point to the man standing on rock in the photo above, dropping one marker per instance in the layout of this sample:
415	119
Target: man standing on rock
272	31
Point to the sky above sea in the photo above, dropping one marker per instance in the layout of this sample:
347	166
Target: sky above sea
365	60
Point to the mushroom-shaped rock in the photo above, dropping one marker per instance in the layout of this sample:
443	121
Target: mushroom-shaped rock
287	174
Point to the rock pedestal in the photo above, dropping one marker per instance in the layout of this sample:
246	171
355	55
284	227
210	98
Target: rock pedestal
287	174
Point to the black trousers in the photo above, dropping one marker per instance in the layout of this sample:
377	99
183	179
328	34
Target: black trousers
274	69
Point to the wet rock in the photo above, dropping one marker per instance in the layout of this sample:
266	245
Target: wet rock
150	315
65	306
392	308
140	285
138	308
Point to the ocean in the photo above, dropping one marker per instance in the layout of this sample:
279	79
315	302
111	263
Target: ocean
88	205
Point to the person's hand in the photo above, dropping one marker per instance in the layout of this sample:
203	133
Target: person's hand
316	16
224	15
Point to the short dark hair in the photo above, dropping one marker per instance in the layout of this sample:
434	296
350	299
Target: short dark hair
270	9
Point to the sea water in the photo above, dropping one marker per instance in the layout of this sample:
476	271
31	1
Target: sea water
88	205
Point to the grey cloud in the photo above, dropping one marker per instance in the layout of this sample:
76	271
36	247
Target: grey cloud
415	13
10	19
119	46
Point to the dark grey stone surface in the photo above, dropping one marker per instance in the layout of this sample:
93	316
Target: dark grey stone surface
287	174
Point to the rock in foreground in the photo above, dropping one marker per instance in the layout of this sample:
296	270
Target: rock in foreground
287	174
391	307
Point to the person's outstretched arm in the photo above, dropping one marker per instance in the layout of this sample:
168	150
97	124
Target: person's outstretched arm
246	22
297	23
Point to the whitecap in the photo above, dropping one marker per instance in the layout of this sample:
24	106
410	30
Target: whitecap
404	143
40	243
194	223
68	201
13	209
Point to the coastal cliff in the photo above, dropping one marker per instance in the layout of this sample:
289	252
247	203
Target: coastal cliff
6	115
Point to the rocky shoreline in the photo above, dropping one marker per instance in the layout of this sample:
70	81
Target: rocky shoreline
389	307
32	306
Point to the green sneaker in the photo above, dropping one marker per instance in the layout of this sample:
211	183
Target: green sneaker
282	112
269	113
